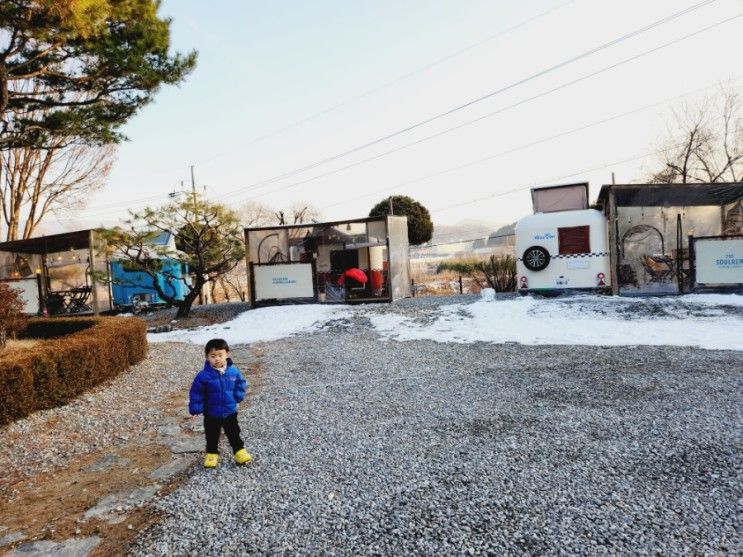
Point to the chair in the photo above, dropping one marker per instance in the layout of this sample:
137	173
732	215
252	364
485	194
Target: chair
658	269
55	303
79	300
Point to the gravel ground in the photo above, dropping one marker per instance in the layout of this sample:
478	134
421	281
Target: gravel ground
365	447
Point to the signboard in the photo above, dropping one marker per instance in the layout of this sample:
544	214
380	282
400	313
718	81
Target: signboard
719	261
283	282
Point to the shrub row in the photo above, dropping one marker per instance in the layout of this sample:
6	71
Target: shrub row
58	369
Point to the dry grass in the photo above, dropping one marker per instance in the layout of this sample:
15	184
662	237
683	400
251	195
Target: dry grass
19	344
445	283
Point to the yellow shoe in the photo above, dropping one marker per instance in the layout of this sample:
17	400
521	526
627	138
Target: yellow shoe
211	460
243	457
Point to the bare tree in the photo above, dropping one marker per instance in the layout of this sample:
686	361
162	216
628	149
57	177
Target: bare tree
254	213
297	213
35	182
711	146
234	284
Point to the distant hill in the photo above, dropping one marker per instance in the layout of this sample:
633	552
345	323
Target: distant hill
461	231
500	237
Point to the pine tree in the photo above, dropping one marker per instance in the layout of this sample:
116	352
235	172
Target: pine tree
80	69
208	237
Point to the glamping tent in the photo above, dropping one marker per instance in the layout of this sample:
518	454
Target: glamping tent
55	273
314	262
674	238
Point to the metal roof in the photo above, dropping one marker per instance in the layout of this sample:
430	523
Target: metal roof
672	195
52	243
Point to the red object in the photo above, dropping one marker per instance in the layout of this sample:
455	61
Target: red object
356	274
377	279
601	277
523	282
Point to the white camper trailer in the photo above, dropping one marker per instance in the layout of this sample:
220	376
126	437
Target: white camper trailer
563	250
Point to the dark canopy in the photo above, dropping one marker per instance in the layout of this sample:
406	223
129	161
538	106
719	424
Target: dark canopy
53	243
671	195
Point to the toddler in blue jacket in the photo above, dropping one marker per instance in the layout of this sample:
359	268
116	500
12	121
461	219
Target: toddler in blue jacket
215	392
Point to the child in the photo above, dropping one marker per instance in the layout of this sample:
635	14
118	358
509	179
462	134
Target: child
215	392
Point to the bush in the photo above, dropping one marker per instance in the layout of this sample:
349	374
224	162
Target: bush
499	272
12	319
420	225
58	369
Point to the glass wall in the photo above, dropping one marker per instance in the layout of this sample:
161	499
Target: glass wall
64	276
351	258
653	246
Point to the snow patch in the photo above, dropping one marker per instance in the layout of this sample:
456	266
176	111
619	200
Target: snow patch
263	324
590	320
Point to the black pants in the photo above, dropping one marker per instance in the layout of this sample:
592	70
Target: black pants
213	427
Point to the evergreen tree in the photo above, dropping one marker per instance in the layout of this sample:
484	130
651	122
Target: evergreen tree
208	237
80	69
420	226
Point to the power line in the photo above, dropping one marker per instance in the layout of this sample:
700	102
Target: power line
424	246
377	89
516	149
143	201
392	82
360	96
398	79
129	203
522	188
560	178
489	95
499	111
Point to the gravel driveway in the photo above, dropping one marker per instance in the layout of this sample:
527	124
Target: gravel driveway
371	447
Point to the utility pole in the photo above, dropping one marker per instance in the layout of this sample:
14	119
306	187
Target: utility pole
193	185
392	210
193	189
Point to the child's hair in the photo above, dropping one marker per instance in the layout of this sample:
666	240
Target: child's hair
216	344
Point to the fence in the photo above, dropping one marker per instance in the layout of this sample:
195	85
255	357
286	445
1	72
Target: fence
425	260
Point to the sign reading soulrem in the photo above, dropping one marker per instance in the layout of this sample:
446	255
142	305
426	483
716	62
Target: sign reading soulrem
283	282
719	261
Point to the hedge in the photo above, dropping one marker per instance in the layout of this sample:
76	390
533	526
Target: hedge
63	365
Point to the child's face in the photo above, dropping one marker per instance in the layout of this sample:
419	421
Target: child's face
217	358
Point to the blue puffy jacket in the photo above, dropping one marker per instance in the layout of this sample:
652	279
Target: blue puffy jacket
217	394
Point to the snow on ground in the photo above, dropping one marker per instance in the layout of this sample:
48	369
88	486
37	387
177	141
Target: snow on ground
707	321
701	320
263	324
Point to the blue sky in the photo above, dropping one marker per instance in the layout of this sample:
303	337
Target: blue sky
282	85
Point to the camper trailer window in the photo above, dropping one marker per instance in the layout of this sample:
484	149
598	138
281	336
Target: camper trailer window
574	239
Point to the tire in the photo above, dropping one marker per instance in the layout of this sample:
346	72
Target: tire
536	258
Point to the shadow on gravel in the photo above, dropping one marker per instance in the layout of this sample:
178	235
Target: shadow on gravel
696	465
602	392
491	427
652	308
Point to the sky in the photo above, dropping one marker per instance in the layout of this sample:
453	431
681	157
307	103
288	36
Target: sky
463	106
709	321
